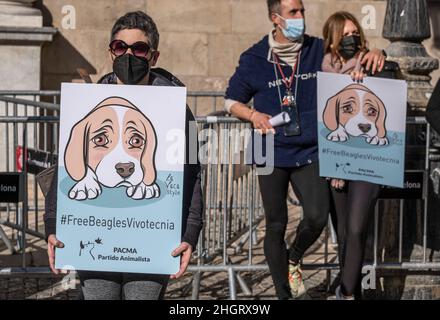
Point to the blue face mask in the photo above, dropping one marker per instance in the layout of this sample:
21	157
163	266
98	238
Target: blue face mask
295	28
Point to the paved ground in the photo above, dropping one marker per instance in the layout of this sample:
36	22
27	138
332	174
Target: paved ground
213	285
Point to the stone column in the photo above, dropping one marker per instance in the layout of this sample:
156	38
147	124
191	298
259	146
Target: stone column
19	13
21	36
406	26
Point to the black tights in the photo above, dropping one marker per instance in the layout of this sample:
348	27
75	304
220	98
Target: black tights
314	194
354	206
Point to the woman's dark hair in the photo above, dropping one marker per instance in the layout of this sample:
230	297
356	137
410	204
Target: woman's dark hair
138	20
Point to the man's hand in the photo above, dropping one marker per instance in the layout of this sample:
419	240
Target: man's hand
374	59
52	243
184	250
260	121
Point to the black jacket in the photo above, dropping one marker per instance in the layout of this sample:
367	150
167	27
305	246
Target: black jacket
433	109
192	214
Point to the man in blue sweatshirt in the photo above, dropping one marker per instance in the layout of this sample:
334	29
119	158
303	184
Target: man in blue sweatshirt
280	74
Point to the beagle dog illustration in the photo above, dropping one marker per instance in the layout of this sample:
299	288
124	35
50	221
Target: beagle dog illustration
112	146
356	111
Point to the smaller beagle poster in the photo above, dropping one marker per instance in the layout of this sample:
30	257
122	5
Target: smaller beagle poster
362	129
120	177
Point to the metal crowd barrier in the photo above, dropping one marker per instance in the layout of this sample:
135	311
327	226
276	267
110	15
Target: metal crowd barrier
232	201
233	207
25	120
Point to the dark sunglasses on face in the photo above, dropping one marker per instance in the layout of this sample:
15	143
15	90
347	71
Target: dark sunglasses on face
139	49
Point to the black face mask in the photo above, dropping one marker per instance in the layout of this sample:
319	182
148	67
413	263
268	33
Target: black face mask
350	46
131	69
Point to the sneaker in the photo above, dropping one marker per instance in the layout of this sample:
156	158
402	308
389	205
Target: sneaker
331	297
340	296
296	281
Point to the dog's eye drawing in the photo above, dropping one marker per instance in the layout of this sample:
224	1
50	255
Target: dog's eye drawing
100	140
136	141
372	112
347	108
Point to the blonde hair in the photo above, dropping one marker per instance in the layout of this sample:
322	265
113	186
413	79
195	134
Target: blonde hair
334	31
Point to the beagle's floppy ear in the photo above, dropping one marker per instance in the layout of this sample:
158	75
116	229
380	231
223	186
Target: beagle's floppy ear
380	122
148	156
76	154
331	113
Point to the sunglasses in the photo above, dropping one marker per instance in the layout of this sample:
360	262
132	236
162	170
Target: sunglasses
139	49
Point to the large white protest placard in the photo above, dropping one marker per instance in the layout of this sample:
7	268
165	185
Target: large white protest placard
119	205
361	129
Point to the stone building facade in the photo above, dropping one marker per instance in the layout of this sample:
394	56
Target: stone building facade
201	40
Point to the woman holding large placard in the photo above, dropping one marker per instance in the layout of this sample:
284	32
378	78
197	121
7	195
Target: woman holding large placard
354	201
133	50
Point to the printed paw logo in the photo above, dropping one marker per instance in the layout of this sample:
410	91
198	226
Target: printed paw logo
342	166
89	246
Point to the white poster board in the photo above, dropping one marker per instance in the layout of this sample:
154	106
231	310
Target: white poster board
362	129
115	211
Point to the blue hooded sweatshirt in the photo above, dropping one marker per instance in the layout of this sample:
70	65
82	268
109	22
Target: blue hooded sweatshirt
255	78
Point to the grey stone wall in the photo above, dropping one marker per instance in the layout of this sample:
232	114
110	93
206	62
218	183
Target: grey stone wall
201	40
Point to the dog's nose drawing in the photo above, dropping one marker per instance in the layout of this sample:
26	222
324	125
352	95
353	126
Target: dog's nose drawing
364	127
125	169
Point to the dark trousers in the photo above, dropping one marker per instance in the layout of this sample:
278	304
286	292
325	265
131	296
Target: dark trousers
314	194
354	206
